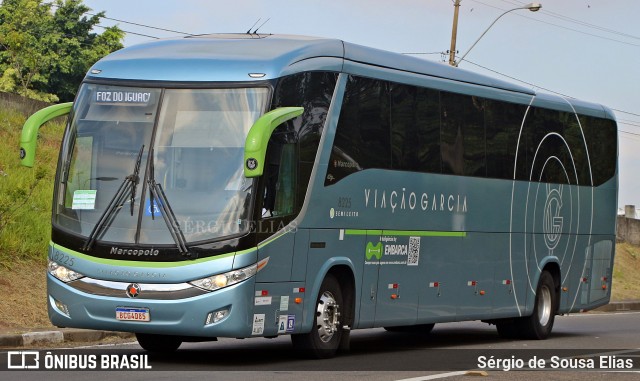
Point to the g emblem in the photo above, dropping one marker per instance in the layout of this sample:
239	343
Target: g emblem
552	221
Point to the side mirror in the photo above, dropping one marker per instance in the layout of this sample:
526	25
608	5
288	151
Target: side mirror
255	147
29	136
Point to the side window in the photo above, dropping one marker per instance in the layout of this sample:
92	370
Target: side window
463	135
313	91
363	132
415	129
548	159
280	175
601	137
502	122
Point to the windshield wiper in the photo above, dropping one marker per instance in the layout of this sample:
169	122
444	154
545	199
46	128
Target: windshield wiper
156	193
128	186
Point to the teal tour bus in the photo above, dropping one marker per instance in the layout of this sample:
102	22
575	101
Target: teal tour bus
262	185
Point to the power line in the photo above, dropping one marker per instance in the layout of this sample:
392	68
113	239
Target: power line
519	80
576	21
129	32
555	92
625	112
560	26
142	25
99	26
630	121
628	133
628	124
568	19
129	23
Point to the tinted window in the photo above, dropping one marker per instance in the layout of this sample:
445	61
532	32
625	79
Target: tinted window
313	91
602	141
415	129
395	126
363	132
553	147
462	134
279	179
502	125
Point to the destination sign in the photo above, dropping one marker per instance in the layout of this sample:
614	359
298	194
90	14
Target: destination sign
131	97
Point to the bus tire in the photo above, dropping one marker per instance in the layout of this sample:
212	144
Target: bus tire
538	326
158	343
324	339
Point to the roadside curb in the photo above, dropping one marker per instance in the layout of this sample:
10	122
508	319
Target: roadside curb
58	336
624	306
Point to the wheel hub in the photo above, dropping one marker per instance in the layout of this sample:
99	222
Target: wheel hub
544	306
327	316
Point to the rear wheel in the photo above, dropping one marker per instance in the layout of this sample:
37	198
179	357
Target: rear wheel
324	339
158	343
538	326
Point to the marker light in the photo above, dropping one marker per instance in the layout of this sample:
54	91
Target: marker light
216	316
61	307
216	282
62	273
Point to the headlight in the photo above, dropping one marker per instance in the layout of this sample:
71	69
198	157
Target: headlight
216	282
64	274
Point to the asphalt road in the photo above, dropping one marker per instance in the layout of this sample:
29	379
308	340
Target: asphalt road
450	352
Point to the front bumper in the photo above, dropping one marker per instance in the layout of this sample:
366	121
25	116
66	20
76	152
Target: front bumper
181	317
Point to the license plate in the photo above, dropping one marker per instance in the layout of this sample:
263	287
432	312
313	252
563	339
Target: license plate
133	314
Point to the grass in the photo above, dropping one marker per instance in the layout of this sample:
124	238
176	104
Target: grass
626	273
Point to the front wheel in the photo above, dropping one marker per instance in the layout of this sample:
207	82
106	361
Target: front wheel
324	339
538	326
158	343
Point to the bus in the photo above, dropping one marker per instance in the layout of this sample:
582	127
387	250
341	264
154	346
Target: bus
261	185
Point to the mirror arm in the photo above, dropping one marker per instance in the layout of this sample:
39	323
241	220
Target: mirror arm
255	148
29	136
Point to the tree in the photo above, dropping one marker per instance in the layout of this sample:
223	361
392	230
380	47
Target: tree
46	49
25	35
78	47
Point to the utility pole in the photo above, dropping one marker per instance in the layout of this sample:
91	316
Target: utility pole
454	33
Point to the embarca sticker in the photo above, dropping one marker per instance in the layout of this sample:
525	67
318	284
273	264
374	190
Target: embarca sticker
393	251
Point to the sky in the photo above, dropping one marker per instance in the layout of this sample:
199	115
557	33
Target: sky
585	49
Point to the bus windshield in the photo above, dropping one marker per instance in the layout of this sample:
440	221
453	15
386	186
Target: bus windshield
192	143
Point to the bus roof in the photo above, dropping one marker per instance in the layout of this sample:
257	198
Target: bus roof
253	57
232	57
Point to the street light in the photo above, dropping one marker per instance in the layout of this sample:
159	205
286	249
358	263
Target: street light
533	7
